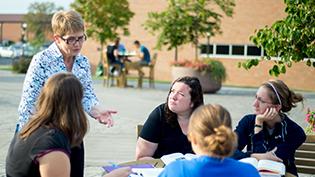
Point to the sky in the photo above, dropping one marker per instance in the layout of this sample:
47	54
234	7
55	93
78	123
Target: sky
21	6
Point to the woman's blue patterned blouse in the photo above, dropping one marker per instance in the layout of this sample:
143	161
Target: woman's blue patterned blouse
44	65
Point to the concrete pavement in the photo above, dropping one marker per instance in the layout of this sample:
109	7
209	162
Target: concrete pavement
117	144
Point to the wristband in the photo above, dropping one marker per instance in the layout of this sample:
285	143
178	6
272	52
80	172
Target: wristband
258	126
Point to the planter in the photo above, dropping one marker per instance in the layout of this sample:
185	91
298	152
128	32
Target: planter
310	138
208	84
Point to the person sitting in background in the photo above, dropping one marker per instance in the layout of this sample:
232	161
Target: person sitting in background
269	133
142	53
212	138
112	54
165	131
43	146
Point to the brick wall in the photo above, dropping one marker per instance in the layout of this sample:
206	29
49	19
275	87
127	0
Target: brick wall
248	16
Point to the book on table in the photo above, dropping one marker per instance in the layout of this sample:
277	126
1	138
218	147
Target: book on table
177	156
145	172
266	168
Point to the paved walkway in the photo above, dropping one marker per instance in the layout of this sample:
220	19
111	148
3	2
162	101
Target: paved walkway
117	144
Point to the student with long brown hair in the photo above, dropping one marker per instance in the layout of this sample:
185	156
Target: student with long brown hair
43	146
63	55
269	133
214	141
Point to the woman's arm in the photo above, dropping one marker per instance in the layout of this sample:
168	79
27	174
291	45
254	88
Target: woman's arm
150	135
55	163
145	149
243	132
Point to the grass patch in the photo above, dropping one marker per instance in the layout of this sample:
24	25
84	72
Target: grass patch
6	67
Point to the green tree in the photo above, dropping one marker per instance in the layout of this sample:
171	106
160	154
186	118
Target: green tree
292	39
38	21
185	21
105	19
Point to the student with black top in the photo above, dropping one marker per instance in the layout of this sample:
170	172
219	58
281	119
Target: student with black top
165	130
43	146
112	54
269	133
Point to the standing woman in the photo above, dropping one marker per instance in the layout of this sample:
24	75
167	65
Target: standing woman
269	133
63	56
43	146
213	139
165	131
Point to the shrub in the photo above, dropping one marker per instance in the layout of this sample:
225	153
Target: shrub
21	65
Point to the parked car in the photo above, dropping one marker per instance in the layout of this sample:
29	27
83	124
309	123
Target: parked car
6	52
6	43
22	49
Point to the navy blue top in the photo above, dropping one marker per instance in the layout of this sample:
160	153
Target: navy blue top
287	137
111	58
208	166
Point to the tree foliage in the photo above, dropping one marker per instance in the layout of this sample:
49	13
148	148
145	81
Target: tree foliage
106	19
291	40
185	21
38	20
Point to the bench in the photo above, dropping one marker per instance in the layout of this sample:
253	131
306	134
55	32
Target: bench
305	156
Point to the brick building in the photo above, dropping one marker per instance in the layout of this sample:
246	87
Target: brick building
230	47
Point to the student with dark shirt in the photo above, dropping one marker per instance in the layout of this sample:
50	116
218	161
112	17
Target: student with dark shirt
269	133
44	145
112	54
165	130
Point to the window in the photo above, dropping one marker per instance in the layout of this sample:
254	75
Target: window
222	49
253	51
237	50
204	49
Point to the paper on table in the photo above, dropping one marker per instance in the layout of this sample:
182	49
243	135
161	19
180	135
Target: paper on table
146	172
142	166
177	156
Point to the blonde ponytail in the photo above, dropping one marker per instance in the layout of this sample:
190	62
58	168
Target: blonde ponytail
222	142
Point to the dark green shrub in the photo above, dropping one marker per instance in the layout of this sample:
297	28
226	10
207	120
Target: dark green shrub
21	64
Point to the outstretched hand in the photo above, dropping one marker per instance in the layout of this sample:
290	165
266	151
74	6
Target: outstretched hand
103	116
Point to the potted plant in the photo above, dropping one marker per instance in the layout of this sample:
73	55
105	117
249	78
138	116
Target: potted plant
310	119
211	73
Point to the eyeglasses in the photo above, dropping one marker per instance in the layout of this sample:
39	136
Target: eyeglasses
261	101
72	40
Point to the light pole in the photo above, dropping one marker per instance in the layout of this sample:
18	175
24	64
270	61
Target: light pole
208	44
24	36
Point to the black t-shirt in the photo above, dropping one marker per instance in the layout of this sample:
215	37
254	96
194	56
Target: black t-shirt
110	53
22	155
170	139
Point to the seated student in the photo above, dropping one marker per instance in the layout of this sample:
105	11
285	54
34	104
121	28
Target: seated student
269	133
142	53
165	131
214	141
112	54
43	146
